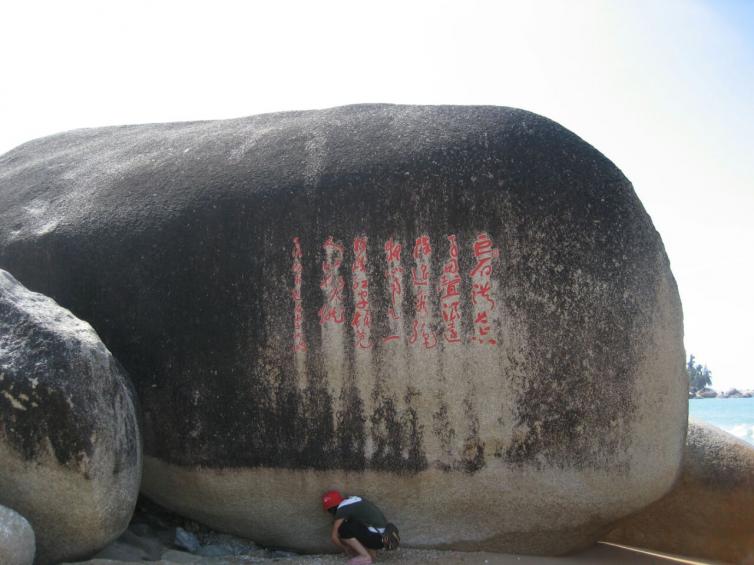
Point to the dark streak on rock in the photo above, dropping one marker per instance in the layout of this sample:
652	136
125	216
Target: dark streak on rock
473	447
386	434
414	456
351	432
320	450
444	431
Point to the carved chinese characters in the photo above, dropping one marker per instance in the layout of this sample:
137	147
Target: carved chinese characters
483	305
450	294
394	276
475	296
332	284
421	331
362	316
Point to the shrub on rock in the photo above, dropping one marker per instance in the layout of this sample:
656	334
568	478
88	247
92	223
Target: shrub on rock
70	451
463	313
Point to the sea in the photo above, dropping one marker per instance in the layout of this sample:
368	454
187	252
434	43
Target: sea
734	415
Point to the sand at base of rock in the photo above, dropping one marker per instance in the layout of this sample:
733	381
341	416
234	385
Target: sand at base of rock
599	554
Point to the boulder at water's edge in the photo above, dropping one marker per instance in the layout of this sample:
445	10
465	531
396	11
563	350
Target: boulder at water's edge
710	512
70	451
463	313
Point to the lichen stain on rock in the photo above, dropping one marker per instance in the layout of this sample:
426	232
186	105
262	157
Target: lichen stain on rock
446	434
351	430
473	447
387	434
414	453
47	416
567	299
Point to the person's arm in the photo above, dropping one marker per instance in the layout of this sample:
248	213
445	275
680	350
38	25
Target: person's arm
334	535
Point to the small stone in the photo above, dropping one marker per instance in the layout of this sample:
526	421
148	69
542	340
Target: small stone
186	540
16	538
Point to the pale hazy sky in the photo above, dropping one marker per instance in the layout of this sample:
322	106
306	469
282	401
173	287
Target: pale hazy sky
664	88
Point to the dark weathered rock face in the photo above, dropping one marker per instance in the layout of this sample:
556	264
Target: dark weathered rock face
448	292
710	512
70	450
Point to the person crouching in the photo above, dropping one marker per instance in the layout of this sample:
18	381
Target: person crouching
359	527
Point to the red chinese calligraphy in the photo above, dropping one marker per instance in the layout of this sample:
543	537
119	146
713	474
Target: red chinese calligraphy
362	315
421	331
299	343
422	247
394	274
332	284
450	294
482	300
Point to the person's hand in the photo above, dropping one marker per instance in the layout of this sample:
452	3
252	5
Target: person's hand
335	537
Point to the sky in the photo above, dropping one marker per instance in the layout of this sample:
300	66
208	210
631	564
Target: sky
664	89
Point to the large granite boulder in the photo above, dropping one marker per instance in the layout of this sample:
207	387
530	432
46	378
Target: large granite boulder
70	451
463	313
16	538
710	512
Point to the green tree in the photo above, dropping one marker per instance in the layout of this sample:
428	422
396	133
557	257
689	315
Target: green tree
699	376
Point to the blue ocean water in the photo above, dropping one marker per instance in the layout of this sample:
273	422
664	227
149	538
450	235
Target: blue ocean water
734	415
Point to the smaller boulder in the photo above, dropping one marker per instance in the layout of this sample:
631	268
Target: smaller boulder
710	512
16	538
706	393
70	448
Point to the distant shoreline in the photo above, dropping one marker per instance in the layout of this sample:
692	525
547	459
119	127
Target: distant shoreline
719	396
712	393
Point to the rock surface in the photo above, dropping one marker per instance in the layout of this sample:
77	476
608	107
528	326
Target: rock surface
710	512
16	538
411	303
70	451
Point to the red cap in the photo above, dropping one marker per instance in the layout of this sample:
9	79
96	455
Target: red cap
331	499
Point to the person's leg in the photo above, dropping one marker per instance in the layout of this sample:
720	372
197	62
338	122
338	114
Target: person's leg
349	533
348	551
372	541
356	546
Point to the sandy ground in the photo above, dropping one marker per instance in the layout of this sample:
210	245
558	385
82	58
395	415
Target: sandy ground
599	554
159	537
